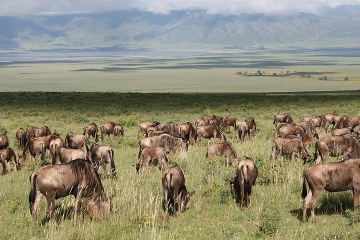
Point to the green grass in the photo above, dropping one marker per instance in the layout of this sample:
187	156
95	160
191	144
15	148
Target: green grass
137	210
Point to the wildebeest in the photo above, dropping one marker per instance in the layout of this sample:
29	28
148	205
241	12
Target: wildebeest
187	132
243	131
77	178
286	129
209	131
306	126
228	121
346	121
20	137
118	130
341	131
202	122
55	144
241	185
148	155
8	155
100	155
33	132
251	124
282	118
222	149
4	141
345	145
330	120
145	125
333	177
76	141
47	139
36	149
65	155
91	129
173	183
292	146
316	121
165	141
107	129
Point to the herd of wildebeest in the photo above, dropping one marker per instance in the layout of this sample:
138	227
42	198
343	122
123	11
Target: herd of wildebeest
74	168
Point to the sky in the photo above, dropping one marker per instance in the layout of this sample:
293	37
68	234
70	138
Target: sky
283	7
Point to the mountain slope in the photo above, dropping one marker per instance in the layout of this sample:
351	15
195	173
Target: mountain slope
135	29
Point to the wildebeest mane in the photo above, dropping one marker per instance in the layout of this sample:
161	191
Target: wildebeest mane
91	174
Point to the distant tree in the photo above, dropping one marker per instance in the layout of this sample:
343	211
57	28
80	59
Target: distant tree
258	72
274	74
325	78
346	79
309	76
238	73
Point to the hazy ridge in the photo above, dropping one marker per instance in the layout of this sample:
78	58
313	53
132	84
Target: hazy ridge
180	29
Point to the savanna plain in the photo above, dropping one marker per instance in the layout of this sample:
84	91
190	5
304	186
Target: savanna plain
137	211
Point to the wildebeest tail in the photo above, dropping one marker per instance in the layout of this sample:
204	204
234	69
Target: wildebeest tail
170	199
247	185
304	190
111	154
32	194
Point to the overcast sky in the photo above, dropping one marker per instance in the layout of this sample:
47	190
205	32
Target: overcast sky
319	7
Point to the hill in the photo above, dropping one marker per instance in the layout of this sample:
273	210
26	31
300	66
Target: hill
134	29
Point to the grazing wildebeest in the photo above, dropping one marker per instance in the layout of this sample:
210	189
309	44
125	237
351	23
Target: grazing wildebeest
251	124
316	121
333	177
173	183
330	119
243	131
285	130
222	149
8	155
118	130
306	126
170	128
202	122
47	139
209	131
145	125
345	145
77	178
282	118
148	155
341	131
100	155
308	138
91	129
33	132
65	155
4	141
228	121
187	132
346	121
290	145
165	141
76	141
54	145
107	129
36	149
242	183
20	136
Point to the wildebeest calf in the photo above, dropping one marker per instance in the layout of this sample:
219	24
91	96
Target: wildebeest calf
333	177
221	149
153	153
8	155
173	183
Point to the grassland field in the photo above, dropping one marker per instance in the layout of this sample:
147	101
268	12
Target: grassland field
176	72
137	210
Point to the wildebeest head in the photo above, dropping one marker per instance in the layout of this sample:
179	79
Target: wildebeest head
234	186
184	198
99	207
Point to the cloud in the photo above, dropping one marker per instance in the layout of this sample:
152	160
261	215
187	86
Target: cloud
319	7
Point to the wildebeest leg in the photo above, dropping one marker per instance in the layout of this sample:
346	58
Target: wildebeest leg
313	201
356	200
50	209
78	204
34	206
307	200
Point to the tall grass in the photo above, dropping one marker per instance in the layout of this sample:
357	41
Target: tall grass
137	207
